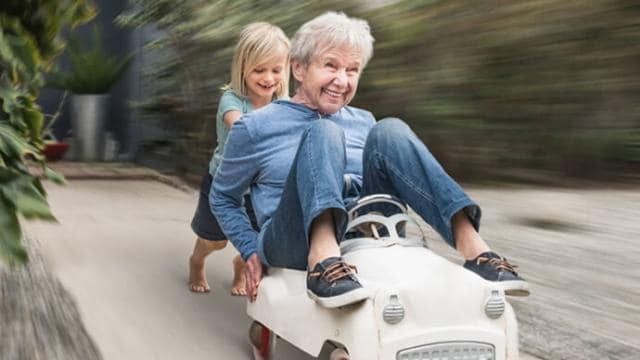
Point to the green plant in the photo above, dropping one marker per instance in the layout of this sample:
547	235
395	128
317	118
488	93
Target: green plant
29	44
93	69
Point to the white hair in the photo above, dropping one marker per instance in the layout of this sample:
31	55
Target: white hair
331	30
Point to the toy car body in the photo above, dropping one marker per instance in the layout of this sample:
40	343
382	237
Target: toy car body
421	306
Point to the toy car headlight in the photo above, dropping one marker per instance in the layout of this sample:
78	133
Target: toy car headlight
393	312
494	307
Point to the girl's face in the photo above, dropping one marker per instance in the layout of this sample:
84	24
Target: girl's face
265	79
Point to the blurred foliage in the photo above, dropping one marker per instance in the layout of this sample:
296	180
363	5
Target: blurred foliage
29	44
499	90
188	64
93	69
513	90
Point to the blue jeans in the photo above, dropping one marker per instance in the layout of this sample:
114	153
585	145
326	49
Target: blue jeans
395	162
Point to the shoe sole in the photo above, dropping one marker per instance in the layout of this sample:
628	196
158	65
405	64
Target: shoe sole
514	287
348	298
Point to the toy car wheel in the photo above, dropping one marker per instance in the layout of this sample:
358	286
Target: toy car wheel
339	354
263	341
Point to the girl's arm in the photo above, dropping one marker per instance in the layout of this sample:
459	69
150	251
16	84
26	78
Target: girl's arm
230	117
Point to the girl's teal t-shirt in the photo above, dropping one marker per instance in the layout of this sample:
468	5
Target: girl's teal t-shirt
229	101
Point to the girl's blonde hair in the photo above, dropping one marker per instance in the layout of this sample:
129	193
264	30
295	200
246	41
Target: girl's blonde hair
259	42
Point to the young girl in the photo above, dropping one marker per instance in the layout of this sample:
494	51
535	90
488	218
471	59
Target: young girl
259	74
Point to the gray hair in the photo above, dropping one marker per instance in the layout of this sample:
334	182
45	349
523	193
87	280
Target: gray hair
331	30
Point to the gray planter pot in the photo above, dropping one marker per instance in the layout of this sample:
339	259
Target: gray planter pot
88	119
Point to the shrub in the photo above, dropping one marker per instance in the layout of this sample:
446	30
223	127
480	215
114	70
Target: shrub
29	43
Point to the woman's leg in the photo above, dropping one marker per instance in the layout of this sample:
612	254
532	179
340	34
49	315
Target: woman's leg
314	186
303	232
396	162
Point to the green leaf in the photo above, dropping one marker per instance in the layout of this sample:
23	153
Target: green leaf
10	235
13	145
7	175
10	99
27	198
54	176
34	120
21	51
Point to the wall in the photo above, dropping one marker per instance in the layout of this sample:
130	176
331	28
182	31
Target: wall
117	40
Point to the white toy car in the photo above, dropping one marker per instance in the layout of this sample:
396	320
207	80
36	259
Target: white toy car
421	306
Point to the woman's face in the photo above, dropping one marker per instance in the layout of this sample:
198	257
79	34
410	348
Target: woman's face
265	79
330	81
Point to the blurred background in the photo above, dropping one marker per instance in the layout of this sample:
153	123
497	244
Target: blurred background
528	91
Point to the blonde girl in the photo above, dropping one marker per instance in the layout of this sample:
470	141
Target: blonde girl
259	75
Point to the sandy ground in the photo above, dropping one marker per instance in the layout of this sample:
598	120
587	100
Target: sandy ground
121	249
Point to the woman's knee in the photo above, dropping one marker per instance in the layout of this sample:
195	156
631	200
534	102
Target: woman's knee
390	129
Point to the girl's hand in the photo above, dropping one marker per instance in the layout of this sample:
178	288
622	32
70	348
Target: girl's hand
230	117
253	275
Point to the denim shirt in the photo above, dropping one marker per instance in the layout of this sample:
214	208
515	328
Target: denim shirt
258	155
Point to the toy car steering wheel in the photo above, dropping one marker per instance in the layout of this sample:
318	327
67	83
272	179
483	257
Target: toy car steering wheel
368	226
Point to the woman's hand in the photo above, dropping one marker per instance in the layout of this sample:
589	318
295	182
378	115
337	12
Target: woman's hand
253	275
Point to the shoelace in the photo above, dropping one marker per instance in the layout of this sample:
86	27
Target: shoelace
336	271
498	263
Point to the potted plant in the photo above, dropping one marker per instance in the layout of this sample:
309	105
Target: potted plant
92	72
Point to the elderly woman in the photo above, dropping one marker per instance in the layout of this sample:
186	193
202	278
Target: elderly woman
306	158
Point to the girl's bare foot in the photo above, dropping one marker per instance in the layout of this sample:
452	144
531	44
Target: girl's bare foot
197	280
238	286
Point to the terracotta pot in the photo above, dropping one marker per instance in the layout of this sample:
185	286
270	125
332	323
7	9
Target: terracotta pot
55	151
